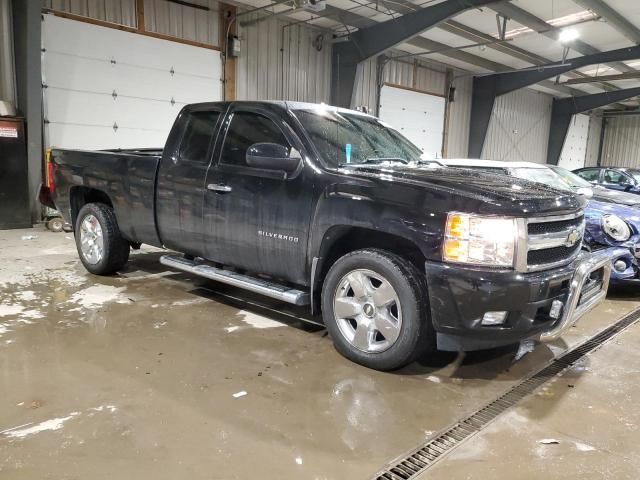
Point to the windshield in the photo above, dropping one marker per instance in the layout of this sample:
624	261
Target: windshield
571	178
344	138
541	175
634	173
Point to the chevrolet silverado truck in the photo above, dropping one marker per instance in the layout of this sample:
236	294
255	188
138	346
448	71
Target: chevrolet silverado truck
330	208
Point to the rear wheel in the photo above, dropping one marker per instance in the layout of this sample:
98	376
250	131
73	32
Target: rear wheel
101	247
374	306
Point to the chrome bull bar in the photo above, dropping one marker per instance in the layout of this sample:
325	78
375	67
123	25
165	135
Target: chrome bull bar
573	308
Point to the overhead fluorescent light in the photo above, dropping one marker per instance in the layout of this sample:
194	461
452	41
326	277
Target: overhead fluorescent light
567	20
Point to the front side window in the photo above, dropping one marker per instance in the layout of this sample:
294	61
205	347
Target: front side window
246	129
615	178
345	138
591	175
198	135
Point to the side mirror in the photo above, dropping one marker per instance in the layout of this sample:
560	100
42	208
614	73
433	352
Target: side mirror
271	156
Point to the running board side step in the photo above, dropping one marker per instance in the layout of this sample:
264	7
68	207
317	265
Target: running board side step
253	284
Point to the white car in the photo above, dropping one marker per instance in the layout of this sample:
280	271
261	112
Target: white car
535	172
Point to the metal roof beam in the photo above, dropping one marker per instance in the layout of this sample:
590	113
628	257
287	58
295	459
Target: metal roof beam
538	25
487	88
371	41
469	33
510	81
602	78
625	27
565	108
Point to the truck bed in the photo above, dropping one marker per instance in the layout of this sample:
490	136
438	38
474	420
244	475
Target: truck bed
128	178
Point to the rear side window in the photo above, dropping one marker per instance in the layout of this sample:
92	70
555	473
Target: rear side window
246	129
591	175
198	135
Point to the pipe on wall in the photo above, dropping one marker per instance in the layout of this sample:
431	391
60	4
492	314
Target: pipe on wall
7	63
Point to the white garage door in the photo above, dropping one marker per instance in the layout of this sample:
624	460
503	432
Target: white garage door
574	150
106	88
418	116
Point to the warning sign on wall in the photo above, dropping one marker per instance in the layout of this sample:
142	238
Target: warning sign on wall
8	132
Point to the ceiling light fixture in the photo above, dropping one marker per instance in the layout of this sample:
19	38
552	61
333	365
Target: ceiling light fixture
568	35
567	20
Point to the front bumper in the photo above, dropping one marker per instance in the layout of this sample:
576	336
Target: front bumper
460	296
630	273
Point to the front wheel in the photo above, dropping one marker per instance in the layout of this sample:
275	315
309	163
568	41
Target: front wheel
101	247
374	306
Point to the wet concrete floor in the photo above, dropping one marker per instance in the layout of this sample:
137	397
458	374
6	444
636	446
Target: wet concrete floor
583	425
143	374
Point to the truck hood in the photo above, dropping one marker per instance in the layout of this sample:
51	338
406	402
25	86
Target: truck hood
493	193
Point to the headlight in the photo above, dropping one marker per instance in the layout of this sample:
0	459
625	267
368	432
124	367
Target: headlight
616	228
478	240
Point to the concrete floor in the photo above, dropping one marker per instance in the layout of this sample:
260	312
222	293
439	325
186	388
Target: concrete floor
134	376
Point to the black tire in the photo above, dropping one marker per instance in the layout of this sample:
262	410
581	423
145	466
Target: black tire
115	247
416	331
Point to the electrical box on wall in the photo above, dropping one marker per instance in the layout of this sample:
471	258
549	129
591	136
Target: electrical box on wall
233	46
14	189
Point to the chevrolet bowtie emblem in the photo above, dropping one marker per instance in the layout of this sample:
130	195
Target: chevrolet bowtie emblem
572	238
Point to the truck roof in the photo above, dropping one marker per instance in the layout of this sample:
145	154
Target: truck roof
285	104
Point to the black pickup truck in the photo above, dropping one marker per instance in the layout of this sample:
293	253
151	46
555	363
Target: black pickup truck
330	208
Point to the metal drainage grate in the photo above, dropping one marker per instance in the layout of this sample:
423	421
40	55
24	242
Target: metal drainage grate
420	459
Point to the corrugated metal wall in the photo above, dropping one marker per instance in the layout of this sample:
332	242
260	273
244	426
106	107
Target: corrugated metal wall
622	142
122	12
459	117
519	128
179	21
593	141
399	73
431	78
183	22
280	61
7	65
365	91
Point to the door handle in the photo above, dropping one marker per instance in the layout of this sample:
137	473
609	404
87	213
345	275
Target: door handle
219	187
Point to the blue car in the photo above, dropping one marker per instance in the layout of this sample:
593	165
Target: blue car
607	224
612	225
614	178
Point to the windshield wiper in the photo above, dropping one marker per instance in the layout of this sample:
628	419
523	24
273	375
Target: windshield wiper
376	161
386	159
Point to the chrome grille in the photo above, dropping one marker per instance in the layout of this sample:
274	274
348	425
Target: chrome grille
544	241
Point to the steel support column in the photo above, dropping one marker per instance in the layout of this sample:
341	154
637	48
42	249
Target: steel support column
488	87
375	39
27	19
565	108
